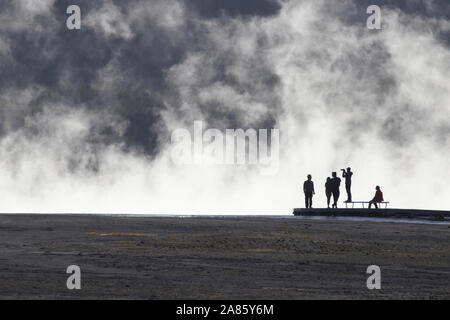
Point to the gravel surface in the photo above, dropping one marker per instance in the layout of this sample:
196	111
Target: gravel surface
220	258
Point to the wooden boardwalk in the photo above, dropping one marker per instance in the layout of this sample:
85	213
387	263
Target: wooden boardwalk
381	213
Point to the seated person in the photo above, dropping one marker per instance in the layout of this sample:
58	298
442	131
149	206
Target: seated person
378	198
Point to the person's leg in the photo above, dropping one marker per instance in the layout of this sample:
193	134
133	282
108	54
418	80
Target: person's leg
328	199
337	198
308	199
349	192
376	205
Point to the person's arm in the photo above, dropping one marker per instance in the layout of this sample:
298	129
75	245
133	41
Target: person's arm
312	183
304	187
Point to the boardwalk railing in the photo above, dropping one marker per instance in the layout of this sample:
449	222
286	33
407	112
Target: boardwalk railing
364	202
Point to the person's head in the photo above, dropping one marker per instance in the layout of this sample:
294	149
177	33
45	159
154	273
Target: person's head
349	169
309	177
333	174
377	188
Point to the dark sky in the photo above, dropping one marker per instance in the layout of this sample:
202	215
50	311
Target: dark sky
45	51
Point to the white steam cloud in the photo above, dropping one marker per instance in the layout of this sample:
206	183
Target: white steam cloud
342	95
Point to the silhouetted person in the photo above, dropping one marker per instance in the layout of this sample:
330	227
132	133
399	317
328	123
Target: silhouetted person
328	191
378	198
308	189
335	183
348	183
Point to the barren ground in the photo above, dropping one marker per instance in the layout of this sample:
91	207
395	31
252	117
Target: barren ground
220	258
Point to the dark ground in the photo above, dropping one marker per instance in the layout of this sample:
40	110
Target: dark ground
220	258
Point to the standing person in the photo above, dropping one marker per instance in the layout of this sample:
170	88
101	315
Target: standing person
308	189
328	191
335	183
378	198
348	182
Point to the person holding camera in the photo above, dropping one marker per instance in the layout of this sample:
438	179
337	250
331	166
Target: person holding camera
348	182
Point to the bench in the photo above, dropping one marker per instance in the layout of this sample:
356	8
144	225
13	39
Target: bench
363	202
